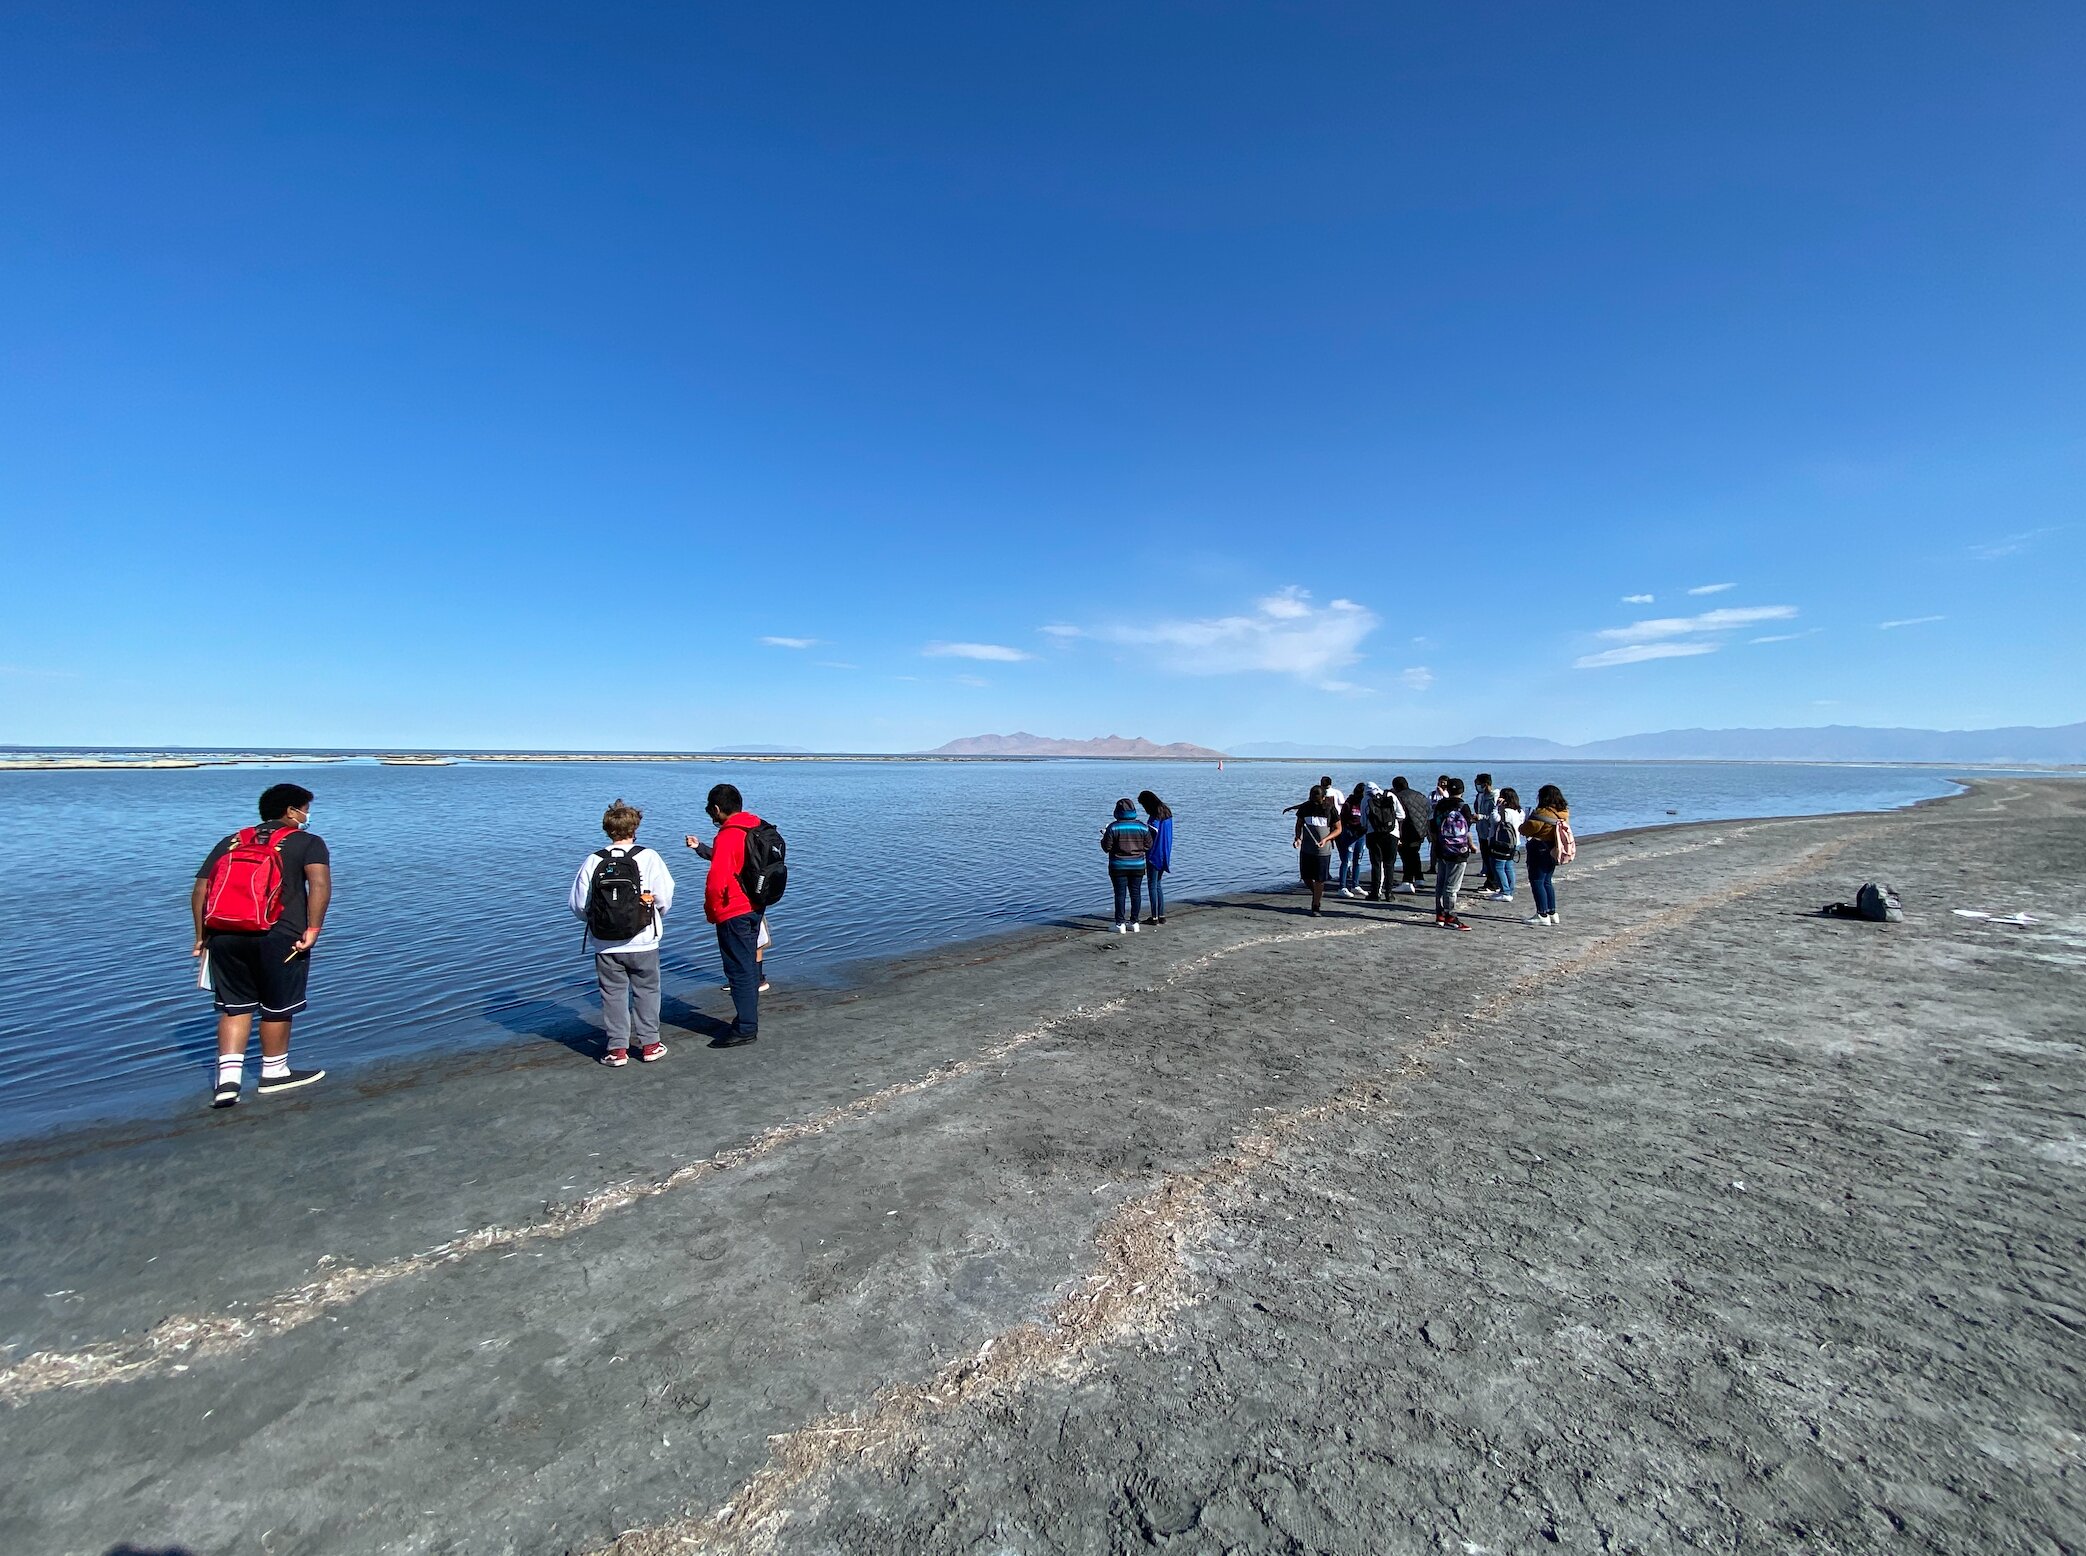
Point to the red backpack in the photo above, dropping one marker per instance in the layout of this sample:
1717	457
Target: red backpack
245	892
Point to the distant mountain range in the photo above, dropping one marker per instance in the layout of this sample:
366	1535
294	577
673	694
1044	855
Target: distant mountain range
2063	744
1021	743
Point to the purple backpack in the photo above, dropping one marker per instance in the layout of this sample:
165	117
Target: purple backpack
1455	834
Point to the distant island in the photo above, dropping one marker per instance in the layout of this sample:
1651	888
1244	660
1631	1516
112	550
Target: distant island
1021	743
2058	746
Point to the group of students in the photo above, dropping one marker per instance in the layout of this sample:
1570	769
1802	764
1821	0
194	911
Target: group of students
260	899
1389	827
261	895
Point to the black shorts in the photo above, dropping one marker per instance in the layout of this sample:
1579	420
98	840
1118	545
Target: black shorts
1313	865
252	974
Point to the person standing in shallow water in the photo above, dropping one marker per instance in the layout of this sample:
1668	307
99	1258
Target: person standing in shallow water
258	963
1541	830
736	915
1128	844
622	893
1159	817
1317	831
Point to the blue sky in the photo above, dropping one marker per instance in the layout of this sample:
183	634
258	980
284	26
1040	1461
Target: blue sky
859	377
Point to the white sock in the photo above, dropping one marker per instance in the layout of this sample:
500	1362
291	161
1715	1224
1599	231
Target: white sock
231	1069
275	1069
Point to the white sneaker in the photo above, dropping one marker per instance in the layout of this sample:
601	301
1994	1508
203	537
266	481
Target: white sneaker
1405	888
1552	921
1133	929
1537	918
1492	896
1122	929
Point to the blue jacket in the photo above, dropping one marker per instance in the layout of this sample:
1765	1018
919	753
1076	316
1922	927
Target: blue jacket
1161	856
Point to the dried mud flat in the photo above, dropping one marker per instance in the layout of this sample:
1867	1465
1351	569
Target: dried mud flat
1698	1223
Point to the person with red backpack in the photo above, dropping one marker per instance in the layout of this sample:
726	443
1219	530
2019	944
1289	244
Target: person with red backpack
258	903
747	877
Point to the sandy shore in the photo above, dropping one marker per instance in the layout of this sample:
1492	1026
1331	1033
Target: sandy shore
1696	1223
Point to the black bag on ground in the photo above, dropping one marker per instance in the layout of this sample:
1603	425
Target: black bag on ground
1876	904
765	875
1879	904
616	906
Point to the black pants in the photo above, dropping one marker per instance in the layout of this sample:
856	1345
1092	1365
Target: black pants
1409	854
1129	886
738	942
1383	850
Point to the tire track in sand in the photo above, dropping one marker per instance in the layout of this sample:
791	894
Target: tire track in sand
1141	1274
175	1344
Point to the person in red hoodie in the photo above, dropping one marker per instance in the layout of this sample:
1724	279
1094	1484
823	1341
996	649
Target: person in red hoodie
726	905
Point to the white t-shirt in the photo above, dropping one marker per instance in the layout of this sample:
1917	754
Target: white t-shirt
651	869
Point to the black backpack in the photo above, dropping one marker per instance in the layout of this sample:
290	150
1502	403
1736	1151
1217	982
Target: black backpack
616	906
764	877
1879	904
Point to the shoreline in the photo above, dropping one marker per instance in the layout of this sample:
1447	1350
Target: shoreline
62	760
838	984
1106	1233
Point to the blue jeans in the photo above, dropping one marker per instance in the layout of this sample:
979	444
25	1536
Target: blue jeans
738	941
1129	888
1352	853
1541	865
1504	869
1156	891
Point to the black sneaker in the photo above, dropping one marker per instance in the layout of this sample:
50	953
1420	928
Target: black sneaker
290	1082
226	1095
734	1040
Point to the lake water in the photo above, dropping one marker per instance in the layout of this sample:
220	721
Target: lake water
449	923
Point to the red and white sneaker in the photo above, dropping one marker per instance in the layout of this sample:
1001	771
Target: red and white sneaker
650	1052
616	1058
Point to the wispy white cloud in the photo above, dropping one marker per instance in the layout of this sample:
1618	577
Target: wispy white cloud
1058	629
836	664
1712	588
1909	621
1659	627
1285	634
1418	678
790	642
1637	653
2011	545
1637	599
997	653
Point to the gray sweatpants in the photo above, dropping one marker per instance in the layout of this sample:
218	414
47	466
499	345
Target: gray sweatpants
629	980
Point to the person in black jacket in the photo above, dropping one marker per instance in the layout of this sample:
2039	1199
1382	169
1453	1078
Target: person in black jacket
1415	826
1382	813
